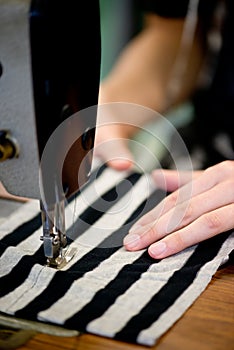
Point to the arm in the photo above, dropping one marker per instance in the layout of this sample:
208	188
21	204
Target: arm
143	71
142	76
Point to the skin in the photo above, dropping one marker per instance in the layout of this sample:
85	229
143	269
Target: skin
145	83
202	203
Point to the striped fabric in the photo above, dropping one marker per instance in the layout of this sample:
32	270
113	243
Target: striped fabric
104	289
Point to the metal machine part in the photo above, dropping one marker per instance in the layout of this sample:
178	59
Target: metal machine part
50	70
8	146
54	237
19	174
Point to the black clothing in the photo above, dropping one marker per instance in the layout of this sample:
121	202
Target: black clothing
214	105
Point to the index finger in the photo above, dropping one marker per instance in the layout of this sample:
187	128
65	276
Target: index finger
202	182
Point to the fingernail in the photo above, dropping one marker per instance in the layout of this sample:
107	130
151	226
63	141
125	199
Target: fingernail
120	164
157	249
131	241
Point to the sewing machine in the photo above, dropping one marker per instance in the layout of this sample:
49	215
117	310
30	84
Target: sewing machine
49	77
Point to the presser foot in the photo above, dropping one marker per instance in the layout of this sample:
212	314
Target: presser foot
65	256
54	239
57	252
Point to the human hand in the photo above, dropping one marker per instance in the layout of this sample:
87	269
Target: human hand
203	202
117	123
111	145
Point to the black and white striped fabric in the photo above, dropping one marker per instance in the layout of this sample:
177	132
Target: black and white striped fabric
104	289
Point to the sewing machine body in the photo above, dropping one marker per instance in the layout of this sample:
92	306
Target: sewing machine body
50	60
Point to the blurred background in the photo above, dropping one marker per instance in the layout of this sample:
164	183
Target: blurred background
120	21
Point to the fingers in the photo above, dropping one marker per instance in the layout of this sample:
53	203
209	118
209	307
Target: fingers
115	153
114	150
180	216
206	226
197	211
171	180
6	195
111	145
202	182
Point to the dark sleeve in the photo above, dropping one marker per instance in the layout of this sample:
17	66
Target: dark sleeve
176	8
165	8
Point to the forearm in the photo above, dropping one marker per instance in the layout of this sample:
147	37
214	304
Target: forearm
143	71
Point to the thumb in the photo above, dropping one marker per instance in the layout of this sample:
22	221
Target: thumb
115	153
